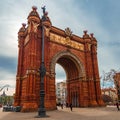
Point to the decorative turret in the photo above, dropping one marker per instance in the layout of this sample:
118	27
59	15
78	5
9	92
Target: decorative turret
33	15
33	20
94	42
45	19
93	38
85	34
22	30
47	22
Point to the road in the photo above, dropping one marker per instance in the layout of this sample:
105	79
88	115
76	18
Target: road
99	113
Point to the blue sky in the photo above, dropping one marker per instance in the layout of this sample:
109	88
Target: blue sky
100	17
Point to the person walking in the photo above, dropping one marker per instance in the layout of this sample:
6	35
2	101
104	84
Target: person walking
61	105
71	106
66	105
117	105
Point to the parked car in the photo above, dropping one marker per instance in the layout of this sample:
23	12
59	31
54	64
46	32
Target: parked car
11	108
7	108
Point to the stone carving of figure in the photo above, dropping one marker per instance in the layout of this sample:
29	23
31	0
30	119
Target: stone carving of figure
43	8
44	17
68	32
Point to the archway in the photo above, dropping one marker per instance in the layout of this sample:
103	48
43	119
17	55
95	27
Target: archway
74	73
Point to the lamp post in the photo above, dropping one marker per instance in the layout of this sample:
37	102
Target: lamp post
1	88
41	110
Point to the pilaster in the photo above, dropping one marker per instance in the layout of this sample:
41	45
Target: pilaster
89	70
96	71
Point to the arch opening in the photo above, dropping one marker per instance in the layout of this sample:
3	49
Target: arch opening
74	73
69	66
60	82
60	73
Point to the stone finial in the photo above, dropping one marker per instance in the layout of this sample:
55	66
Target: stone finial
92	35
33	15
23	25
34	8
22	29
85	32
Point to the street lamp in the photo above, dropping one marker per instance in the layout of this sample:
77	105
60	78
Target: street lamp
1	88
41	109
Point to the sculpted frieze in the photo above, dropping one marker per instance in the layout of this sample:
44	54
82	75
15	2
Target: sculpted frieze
66	41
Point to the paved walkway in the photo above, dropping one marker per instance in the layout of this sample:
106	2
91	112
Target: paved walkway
104	113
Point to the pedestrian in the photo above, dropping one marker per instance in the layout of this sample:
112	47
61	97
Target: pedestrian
66	105
71	106
61	105
117	105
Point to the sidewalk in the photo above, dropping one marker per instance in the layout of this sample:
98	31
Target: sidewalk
104	113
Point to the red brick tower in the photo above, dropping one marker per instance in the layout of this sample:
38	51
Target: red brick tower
28	80
77	55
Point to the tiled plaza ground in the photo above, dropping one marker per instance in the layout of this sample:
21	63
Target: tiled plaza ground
104	113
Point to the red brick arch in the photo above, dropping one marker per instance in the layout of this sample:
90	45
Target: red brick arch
77	55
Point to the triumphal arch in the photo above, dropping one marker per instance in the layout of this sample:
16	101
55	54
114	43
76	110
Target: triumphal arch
77	55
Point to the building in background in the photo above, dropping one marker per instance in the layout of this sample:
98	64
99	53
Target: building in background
61	93
109	95
6	99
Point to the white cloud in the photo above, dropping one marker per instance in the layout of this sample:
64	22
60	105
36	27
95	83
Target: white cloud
60	73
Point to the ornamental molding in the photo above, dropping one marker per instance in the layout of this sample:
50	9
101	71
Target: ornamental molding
66	41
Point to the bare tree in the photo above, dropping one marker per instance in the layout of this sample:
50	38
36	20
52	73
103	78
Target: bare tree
105	79
110	77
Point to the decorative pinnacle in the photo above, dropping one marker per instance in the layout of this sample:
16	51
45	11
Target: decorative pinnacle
34	8
85	32
23	24
92	35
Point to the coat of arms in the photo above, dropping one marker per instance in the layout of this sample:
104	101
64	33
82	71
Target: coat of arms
68	32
